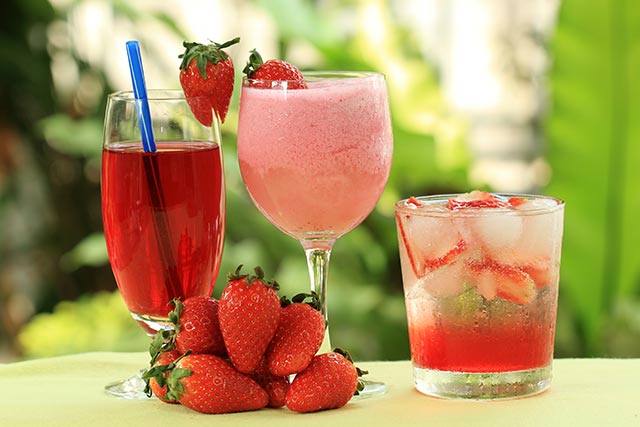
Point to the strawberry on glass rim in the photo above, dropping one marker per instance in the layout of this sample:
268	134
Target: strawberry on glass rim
264	74
207	79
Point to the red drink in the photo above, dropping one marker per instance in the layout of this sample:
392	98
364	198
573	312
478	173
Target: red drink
480	275
483	346
164	221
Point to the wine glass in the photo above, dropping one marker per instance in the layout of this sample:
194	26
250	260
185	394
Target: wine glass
316	159
163	211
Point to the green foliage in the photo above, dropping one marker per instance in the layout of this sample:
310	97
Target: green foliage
70	136
91	251
593	150
590	143
91	323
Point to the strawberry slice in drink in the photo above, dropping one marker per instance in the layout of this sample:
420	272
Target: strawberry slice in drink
428	244
493	279
475	199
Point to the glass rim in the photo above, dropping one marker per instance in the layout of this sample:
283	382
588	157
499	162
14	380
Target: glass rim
315	75
152	95
403	207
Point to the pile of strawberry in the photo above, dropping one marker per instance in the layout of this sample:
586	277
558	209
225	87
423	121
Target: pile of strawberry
237	354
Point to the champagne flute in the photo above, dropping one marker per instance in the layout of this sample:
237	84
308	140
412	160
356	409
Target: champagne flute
163	210
315	160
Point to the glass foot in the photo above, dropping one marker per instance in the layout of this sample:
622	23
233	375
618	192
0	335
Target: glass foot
482	386
131	388
371	389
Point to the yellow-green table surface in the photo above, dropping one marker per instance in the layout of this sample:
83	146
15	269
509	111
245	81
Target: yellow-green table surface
69	391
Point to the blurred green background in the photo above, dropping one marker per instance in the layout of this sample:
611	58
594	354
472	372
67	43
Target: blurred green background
504	95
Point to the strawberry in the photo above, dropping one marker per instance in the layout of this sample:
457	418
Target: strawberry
156	376
329	382
276	387
207	78
427	243
298	337
249	313
263	73
475	199
507	282
482	199
197	326
413	201
209	384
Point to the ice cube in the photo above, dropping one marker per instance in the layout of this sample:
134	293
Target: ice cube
497	232
445	281
539	242
427	239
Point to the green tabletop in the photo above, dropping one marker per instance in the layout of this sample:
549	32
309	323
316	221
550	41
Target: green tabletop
68	391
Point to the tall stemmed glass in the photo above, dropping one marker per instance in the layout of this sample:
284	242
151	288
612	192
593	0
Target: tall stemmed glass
163	211
316	159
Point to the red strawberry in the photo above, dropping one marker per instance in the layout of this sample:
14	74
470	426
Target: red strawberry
298	337
207	78
427	243
413	201
197	326
249	313
328	383
263	73
482	199
276	387
209	384
511	283
156	376
475	199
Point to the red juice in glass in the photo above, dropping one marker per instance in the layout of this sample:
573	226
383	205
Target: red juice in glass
164	222
480	275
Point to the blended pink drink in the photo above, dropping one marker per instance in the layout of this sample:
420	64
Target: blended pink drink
315	160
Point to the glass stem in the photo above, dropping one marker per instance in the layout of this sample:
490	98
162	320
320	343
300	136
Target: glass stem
318	254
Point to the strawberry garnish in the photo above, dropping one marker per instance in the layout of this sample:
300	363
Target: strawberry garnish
207	78
507	282
427	243
413	201
475	199
482	199
446	259
514	202
249	314
298	337
329	382
263	73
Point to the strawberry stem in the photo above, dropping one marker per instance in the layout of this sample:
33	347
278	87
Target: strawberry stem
254	62
249	278
204	53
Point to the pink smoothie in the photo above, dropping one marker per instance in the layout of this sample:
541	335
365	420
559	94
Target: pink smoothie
316	160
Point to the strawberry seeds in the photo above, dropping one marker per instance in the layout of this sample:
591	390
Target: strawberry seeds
237	354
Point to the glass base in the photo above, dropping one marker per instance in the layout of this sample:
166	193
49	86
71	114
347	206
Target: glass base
371	389
482	386
131	388
151	324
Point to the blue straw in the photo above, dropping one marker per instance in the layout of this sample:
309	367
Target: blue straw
140	93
